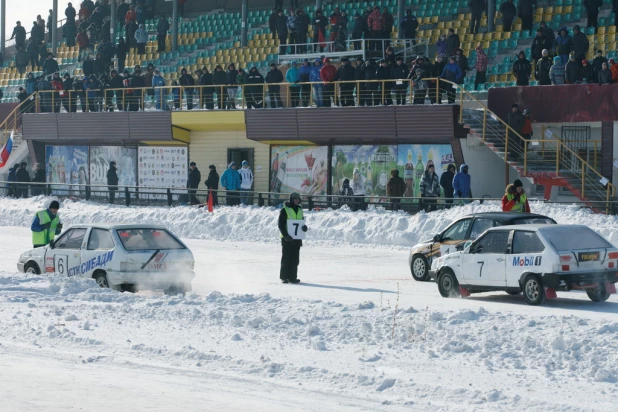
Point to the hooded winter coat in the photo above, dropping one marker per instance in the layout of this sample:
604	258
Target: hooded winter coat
572	72
31	84
141	35
556	73
396	187
446	181
452	72
430	184
292	76
230	179
563	44
212	182
580	44
462	183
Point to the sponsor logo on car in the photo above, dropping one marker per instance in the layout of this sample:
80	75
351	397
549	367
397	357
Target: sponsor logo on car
49	264
527	261
94	263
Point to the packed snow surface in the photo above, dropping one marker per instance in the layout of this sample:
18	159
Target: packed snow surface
357	334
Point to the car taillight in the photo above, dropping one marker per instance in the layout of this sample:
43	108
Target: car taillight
612	255
610	265
564	259
566	268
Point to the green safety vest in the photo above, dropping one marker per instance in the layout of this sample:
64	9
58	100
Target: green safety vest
47	235
519	206
293	215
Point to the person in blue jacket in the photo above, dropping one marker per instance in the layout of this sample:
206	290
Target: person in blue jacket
461	184
92	87
293	77
230	180
318	88
158	82
452	72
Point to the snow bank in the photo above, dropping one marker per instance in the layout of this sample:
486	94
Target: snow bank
377	227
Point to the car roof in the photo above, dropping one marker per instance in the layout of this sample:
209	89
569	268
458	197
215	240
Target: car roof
534	227
117	226
506	217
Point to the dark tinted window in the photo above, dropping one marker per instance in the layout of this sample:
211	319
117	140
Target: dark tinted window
493	242
100	239
72	239
527	242
480	226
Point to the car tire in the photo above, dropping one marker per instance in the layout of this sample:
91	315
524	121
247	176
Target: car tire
32	268
101	279
174	290
419	269
598	294
448	284
534	291
129	288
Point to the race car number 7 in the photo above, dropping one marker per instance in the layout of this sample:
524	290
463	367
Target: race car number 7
481	272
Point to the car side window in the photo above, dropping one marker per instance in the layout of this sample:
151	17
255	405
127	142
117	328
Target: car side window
458	231
493	242
527	242
72	239
480	226
100	239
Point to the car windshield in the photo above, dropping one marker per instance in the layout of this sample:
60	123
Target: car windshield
574	238
148	239
534	221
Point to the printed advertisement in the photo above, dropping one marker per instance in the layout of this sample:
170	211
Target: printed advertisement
163	166
66	165
302	169
125	158
412	161
365	166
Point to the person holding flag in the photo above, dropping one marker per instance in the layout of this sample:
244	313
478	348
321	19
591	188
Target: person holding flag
292	227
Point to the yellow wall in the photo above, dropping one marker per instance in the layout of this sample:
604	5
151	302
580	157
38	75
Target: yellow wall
210	147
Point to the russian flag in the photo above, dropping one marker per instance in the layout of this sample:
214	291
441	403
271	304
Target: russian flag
6	151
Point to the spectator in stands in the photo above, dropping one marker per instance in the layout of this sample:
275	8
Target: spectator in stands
343	25
69	31
148	80
548	33
572	70
543	68
359	76
522	69
526	13
292	23
67	99
162	28
409	24
366	28
42	53
22	96
50	66
31	84
218	79
88	66
592	13
78	92
442	47
329	74
481	67
121	11
44	88
99	65
175	91
141	37
430	189
160	93
341	40
181	8
319	31
509	12
84	11
273	78
372	87
357	31
605	75
597	63
282	32
21	60
232	80
375	21
384	73
140	13
516	122
37	32
318	86
477	7
395	189
50	17
130	16
580	44
586	74
388	22
420	86
106	96
302	28
452	72
452	43
187	81
58	94
193	182
206	80
255	90
435	89
212	183
556	72
70	13
389	56
335	22
305	89
346	73
462	61
272	22
121	53
292	76
614	69
19	34
539	43
92	86
563	45
116	83
446	181
137	82
130	30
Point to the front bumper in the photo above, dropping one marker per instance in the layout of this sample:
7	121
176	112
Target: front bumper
152	280
566	281
21	267
433	274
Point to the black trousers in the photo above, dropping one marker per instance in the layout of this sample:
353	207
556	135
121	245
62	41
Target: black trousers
112	196
232	198
193	198
329	93
526	23
476	22
523	81
481	78
506	25
429	204
141	48
161	42
592	20
346	96
294	96
290	258
215	198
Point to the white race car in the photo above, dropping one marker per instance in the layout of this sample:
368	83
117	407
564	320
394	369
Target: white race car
537	260
123	257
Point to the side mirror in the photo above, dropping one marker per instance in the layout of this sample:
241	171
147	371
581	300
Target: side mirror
437	238
51	244
477	249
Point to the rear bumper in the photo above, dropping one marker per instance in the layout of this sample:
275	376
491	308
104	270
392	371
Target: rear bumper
152	280
565	281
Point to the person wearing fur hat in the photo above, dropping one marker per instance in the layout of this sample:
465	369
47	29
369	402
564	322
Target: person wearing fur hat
290	242
46	225
515	199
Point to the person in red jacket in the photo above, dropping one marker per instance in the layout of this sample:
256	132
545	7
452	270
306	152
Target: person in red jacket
515	200
329	74
375	22
131	15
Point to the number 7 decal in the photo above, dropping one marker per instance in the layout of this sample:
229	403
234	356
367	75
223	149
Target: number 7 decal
481	272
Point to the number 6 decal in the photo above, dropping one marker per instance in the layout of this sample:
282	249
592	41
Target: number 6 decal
60	264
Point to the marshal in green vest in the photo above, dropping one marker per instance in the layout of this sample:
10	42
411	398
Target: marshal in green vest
292	215
520	206
47	235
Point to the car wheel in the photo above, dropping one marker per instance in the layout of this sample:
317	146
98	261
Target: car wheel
101	279
598	294
419	269
534	291
129	287
32	268
448	284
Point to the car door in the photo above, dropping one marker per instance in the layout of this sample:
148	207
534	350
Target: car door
485	264
65	256
526	256
456	234
99	251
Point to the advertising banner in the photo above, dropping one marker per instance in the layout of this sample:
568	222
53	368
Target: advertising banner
126	161
412	161
163	166
66	165
302	169
373	164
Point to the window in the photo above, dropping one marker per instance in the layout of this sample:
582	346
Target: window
534	221
148	239
72	239
480	226
574	238
100	239
527	242
458	231
492	242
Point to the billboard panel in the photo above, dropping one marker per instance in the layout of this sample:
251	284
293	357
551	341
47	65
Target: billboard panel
302	169
126	161
373	162
163	166
66	165
412	161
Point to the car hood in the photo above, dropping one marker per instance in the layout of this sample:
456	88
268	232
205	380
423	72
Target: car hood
424	245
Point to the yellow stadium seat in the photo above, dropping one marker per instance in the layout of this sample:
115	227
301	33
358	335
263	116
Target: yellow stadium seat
558	10
568	9
434	19
611	29
539	10
601	30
